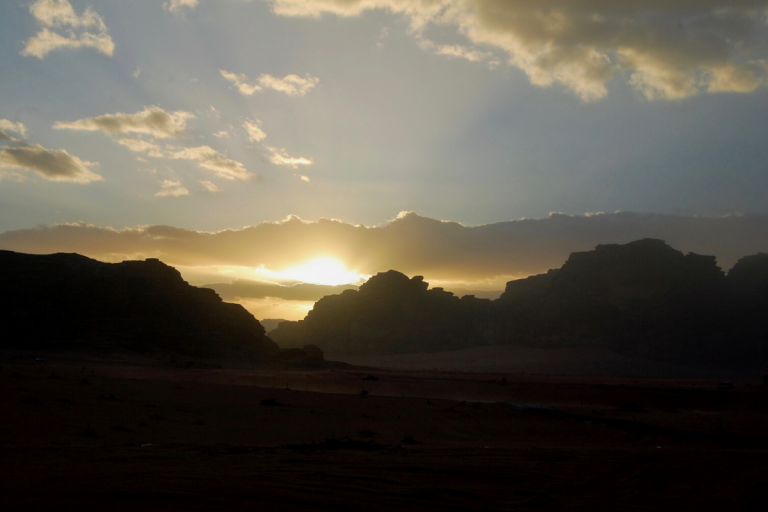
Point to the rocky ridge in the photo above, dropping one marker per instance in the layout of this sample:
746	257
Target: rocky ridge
68	301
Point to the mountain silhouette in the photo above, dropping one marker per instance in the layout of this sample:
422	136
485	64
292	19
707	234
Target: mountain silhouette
643	299
390	313
68	301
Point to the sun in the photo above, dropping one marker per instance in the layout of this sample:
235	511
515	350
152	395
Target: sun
323	270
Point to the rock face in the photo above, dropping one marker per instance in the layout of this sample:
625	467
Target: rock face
390	314
748	284
70	301
643	299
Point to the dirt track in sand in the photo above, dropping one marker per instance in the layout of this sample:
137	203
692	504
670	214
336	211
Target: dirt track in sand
193	439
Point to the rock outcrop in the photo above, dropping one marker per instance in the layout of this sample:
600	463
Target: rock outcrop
73	302
390	314
643	299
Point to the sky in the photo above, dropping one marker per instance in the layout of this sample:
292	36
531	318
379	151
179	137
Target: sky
129	128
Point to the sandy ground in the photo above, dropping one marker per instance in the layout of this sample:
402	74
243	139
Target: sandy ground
573	361
99	435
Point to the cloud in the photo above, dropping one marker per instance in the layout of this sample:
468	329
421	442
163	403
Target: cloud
206	157
255	133
171	189
240	83
280	157
440	251
664	50
54	165
10	126
209	158
152	121
455	50
304	178
177	5
84	31
137	72
292	85
142	146
222	133
210	187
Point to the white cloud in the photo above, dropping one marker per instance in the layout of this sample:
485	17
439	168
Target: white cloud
177	5
255	133
292	85
240	83
665	50
209	158
142	146
152	121
210	187
171	188
137	72
280	157
84	31
206	157
222	133
54	165
10	126
304	178
12	176
455	50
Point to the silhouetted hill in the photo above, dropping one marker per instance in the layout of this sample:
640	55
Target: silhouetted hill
390	313
70	301
270	324
750	275
643	298
748	283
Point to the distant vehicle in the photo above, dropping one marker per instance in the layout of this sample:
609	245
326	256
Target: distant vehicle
725	385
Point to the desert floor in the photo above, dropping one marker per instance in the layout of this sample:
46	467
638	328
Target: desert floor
108	434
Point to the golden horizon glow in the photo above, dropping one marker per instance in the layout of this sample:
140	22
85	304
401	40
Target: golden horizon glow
323	270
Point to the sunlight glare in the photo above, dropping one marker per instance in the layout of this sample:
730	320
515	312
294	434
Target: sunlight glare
324	270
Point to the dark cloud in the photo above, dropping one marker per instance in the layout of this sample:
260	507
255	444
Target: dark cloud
412	244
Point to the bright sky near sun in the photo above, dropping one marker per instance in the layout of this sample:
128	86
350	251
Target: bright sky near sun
211	115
